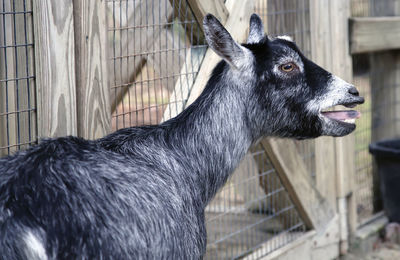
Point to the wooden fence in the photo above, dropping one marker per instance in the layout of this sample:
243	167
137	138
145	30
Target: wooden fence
78	90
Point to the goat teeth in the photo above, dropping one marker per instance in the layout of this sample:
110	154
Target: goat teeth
350	120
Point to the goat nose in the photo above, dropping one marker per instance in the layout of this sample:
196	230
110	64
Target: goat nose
354	91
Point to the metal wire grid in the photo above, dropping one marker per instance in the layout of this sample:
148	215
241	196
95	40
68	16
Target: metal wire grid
156	51
17	87
363	160
367	192
151	79
252	215
378	122
292	18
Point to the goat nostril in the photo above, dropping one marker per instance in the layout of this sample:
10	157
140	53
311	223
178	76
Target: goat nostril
354	91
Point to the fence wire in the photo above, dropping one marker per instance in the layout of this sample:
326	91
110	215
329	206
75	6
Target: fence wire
253	214
156	49
379	119
17	86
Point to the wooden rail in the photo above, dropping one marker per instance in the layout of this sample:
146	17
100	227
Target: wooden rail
371	34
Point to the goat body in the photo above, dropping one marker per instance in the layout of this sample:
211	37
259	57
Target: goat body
140	193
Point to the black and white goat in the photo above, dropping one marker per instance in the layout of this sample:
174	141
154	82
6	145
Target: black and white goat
140	193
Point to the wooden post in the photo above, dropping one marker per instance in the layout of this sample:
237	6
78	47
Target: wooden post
385	80
345	163
321	53
55	68
334	157
385	91
91	63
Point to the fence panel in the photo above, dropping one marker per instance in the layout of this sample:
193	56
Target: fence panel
156	48
18	126
377	77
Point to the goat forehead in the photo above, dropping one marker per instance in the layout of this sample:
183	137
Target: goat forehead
282	53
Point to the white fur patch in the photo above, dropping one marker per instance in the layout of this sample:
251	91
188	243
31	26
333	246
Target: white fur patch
285	37
337	91
34	247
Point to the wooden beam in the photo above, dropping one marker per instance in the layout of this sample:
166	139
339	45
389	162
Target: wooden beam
384	78
130	56
169	56
193	30
93	98
370	34
237	24
321	44
269	184
55	68
181	91
314	209
298	249
339	13
202	7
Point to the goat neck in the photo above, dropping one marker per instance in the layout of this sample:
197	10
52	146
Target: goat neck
212	132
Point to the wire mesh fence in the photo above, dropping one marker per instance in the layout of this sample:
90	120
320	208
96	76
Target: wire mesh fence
363	160
156	49
17	86
378	119
253	214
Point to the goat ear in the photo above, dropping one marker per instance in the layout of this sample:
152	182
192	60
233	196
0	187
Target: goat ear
256	32
219	39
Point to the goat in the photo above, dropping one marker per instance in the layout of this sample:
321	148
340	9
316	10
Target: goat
140	192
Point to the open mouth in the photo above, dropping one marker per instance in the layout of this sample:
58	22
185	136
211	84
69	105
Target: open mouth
342	116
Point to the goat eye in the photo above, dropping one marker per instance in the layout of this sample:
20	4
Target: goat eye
287	67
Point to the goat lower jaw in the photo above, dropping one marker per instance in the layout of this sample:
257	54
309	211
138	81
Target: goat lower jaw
347	117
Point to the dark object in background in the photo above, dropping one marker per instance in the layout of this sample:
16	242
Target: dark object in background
387	157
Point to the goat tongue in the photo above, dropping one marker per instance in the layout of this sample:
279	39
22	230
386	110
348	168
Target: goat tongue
342	115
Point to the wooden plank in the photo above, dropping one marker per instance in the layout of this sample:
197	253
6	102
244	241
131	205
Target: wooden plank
321	54
202	7
55	68
181	91
339	13
385	90
298	249
269	184
385	80
369	34
314	210
136	26
168	55
310	245
237	24
185	15
93	98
